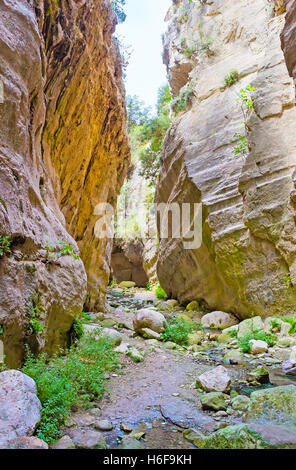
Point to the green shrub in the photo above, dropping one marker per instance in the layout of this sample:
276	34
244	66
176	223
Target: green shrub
4	245
76	378
160	292
182	102
177	330
231	78
233	333
62	250
292	321
245	344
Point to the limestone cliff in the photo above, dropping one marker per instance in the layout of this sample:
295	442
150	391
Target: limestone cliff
247	261
62	150
288	37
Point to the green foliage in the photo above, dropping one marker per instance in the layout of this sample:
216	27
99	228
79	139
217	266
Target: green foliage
275	325
245	344
73	379
231	78
4	245
292	321
182	102
245	99
233	333
63	250
35	310
160	293
78	327
1	330
146	133
287	280
119	12
178	330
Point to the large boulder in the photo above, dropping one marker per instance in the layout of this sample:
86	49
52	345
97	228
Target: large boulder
146	318
249	325
219	319
213	401
24	442
215	380
19	405
276	404
250	436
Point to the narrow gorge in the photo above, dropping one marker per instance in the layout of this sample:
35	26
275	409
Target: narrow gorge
116	332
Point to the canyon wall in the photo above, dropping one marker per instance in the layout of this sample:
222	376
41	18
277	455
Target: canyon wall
63	149
246	263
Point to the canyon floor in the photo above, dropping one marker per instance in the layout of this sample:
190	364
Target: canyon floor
154	403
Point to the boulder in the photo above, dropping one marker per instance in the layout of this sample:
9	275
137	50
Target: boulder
194	338
249	325
213	401
215	380
130	442
24	442
64	443
88	439
260	374
289	367
250	436
113	336
258	346
276	404
219	320
194	435
172	303
146	318
240	403
103	425
19	405
194	305
127	284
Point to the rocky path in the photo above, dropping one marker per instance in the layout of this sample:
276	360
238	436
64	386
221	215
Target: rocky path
152	400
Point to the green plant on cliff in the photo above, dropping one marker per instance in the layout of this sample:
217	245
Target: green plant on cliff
68	380
160	292
63	250
117	6
183	100
4	245
231	78
36	310
245	99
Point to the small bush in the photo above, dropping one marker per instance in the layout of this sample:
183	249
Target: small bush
160	293
231	78
64	381
4	245
177	330
292	321
182	102
245	344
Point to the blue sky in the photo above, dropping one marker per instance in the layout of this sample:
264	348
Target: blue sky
142	30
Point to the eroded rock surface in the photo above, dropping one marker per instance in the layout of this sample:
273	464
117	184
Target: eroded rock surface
63	149
246	262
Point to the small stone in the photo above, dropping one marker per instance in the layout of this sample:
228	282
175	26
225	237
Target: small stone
113	336
130	442
135	354
289	367
218	319
122	348
194	338
258	346
88	439
125	427
172	303
103	425
150	334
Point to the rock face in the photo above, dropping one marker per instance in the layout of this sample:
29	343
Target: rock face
246	263
127	263
288	37
63	149
19	405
